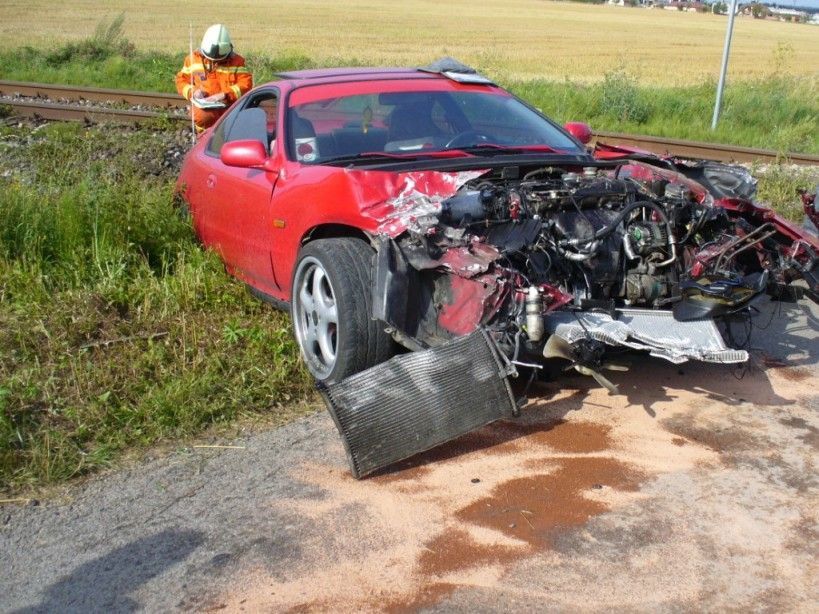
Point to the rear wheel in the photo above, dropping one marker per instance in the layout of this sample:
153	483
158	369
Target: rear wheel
331	306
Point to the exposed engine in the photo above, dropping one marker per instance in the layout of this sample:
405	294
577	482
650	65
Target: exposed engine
594	238
531	253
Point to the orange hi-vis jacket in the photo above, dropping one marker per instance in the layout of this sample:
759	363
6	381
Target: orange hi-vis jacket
229	76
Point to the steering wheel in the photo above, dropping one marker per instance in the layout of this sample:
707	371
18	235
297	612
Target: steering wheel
467	138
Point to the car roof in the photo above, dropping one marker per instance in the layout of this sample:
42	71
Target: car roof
445	68
352	71
300	78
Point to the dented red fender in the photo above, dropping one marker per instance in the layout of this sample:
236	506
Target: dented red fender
396	201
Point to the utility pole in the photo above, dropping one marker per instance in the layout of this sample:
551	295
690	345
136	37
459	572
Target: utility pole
731	13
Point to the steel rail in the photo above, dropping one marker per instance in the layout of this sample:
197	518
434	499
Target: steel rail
709	151
93	94
50	110
67	112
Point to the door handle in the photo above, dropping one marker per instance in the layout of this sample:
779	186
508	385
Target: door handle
211	181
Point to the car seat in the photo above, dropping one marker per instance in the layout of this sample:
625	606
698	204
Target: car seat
407	122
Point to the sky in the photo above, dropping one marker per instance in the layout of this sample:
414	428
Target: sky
808	4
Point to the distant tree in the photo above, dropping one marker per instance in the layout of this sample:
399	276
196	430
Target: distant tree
759	10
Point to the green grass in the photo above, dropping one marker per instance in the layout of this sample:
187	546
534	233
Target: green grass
116	329
779	187
775	113
779	113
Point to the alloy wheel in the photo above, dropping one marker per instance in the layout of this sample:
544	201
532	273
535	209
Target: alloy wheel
315	317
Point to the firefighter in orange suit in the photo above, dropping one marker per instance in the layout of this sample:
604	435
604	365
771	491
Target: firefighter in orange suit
214	72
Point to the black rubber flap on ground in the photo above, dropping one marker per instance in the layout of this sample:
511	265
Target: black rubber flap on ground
417	401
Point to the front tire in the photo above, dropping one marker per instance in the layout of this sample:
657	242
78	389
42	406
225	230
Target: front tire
331	308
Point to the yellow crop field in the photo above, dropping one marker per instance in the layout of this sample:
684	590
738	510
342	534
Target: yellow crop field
508	38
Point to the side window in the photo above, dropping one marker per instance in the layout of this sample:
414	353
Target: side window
218	139
267	101
236	125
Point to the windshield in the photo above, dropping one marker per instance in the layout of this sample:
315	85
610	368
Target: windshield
418	123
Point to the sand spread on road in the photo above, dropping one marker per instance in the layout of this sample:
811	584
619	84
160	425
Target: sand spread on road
463	515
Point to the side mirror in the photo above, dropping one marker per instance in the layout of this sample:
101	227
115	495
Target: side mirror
582	132
244	154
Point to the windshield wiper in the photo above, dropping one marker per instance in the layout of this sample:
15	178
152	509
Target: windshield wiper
367	155
485	148
391	157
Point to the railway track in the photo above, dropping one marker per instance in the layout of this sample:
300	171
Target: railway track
92	94
698	149
91	104
60	102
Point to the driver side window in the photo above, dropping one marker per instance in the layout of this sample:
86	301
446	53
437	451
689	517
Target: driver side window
268	102
249	123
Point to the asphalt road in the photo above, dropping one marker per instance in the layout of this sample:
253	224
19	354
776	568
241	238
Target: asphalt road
691	490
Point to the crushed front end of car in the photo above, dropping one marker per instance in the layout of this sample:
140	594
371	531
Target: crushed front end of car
561	262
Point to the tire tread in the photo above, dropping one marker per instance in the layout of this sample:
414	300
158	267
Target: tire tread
349	263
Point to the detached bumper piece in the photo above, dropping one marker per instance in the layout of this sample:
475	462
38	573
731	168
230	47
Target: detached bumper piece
417	401
647	329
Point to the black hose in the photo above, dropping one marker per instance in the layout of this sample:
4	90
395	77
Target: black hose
612	226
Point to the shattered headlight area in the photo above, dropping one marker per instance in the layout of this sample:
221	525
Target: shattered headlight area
568	263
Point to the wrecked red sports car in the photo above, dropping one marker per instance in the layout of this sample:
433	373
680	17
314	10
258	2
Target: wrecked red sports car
431	210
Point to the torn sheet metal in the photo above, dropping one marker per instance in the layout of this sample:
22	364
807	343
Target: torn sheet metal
646	329
472	302
417	401
467	296
412	201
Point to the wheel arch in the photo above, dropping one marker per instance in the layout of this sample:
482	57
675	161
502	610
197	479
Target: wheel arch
335	231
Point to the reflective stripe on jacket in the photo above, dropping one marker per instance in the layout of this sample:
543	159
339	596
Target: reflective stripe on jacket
230	76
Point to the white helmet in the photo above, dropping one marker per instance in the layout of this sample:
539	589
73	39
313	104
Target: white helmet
216	43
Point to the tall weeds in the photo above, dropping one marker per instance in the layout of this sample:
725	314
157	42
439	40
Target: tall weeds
116	329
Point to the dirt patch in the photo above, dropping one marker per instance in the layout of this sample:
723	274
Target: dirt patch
505	437
540	492
530	511
717	438
794	374
460	515
456	550
576	438
805	536
811	437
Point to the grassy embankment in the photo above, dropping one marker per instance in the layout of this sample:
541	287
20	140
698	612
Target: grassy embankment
116	330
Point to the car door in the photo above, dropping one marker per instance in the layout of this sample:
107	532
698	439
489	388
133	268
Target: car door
237	215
